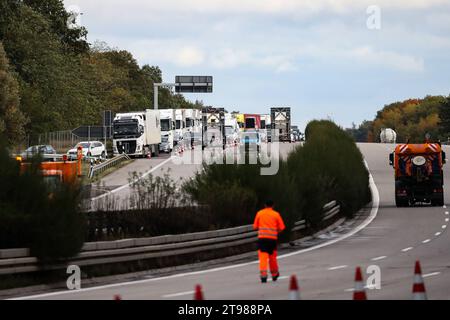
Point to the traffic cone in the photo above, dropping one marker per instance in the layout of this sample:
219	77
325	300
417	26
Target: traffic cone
360	292
117	297
419	292
198	293
294	292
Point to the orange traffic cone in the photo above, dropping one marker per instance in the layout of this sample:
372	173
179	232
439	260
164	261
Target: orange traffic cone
294	292
198	293
360	292
117	297
419	292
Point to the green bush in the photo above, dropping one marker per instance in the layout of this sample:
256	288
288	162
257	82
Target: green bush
32	216
329	166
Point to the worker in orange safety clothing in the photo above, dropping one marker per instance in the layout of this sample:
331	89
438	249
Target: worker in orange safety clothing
269	224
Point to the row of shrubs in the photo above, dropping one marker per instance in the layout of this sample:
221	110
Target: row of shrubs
329	166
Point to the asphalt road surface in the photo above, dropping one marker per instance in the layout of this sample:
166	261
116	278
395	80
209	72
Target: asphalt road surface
390	238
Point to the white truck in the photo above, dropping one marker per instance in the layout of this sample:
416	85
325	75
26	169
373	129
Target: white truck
180	125
388	135
231	129
167	118
137	133
266	127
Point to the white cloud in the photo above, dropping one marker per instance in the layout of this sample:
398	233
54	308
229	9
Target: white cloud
389	59
189	56
252	6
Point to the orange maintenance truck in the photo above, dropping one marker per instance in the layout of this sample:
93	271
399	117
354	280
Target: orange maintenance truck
418	174
55	172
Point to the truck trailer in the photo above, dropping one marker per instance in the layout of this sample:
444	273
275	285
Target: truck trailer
281	122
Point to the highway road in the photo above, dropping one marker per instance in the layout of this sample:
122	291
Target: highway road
383	235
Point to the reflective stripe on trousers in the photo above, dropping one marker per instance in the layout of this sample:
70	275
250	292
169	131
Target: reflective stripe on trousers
271	259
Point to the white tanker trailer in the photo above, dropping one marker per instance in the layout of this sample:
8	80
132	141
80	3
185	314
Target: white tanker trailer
388	136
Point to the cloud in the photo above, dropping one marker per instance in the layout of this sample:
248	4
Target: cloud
368	55
272	7
189	56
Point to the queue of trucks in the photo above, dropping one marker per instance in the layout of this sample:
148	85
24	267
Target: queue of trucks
149	132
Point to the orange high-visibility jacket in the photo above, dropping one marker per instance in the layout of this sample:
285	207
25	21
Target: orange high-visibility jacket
269	223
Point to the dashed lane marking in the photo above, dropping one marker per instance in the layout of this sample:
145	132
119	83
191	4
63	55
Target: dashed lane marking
431	274
437	234
426	241
379	258
407	249
337	267
444	226
179	294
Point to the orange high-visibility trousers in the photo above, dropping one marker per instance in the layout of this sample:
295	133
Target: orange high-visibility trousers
271	259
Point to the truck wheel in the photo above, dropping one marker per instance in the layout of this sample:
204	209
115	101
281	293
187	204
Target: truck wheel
146	152
439	202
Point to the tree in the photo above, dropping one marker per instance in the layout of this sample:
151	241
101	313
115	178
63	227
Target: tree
411	119
444	115
12	120
54	11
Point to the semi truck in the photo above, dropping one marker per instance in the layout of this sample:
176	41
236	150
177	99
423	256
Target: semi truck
231	129
265	129
180	125
418	174
252	121
167	119
281	122
388	135
137	133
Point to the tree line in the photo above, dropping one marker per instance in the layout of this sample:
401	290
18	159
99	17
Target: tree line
412	120
52	79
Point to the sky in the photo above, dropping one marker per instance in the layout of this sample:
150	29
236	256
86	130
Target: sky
326	59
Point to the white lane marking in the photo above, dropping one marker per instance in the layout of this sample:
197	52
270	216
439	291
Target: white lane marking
447	219
444	206
426	241
379	258
446	212
353	289
130	183
338	267
437	234
173	295
407	249
444	226
372	216
431	274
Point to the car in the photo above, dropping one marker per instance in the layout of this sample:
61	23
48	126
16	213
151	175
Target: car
43	150
89	149
251	138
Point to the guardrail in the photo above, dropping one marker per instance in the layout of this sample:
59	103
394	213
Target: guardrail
99	168
13	261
